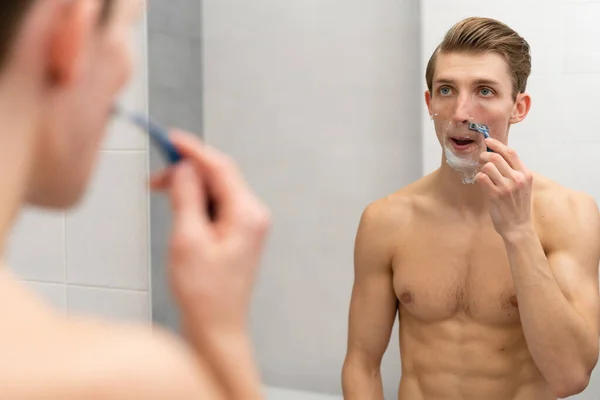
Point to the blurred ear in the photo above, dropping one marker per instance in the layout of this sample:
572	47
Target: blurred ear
521	109
428	102
71	35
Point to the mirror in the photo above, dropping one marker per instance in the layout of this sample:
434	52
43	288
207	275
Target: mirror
321	104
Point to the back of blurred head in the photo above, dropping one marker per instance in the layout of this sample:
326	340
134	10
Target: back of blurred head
62	65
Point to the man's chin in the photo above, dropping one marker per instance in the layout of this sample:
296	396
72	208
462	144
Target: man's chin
57	199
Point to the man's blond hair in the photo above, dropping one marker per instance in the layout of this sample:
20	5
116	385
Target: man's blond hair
480	35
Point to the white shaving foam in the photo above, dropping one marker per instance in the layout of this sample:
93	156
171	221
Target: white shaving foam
467	168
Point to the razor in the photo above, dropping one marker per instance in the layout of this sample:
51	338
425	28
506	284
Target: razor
483	129
157	134
160	138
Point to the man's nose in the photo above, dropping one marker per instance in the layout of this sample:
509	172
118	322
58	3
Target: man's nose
463	109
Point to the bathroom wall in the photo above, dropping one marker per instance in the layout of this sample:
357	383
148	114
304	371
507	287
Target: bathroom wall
175	100
95	258
559	138
316	100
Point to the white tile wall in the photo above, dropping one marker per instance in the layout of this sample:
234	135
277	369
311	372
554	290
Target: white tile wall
107	238
134	96
54	294
125	305
102	245
560	137
43	231
582	29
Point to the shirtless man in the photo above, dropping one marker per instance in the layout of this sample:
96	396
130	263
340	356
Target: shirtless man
495	283
62	65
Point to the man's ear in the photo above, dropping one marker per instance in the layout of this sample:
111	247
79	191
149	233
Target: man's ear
71	33
521	108
428	102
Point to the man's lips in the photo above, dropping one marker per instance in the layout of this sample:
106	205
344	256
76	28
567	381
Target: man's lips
461	140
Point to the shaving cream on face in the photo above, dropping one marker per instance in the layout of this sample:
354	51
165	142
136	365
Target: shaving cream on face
462	148
468	170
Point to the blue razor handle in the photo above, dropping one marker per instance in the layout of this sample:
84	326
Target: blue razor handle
160	138
483	129
157	134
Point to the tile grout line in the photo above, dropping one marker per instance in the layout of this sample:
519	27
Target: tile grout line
85	286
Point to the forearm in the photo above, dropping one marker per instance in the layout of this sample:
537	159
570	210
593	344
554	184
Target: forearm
231	359
558	337
361	382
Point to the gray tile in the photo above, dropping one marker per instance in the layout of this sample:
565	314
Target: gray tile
158	15
107	236
36	249
176	17
185	18
170	61
177	109
161	105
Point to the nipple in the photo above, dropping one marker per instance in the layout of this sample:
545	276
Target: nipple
405	297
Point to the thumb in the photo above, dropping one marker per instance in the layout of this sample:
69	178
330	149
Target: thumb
186	195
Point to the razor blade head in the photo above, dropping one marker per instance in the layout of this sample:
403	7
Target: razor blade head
483	129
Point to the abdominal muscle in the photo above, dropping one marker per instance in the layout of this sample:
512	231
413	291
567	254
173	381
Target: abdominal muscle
460	358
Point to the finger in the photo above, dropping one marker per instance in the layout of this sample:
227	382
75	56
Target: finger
187	198
491	171
499	162
161	180
509	154
485	183
223	180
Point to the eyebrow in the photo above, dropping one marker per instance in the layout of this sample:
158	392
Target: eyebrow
480	81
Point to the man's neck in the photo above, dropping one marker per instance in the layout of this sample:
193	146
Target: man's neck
18	119
463	196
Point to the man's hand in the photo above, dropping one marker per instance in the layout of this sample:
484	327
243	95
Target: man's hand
507	183
212	263
213	259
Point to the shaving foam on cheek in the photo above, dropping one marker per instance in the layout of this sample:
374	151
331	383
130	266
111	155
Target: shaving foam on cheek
463	144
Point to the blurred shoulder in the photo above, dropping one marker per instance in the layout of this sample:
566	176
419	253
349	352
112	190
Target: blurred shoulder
81	358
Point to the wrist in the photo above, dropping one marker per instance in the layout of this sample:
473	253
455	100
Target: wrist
230	355
203	335
518	234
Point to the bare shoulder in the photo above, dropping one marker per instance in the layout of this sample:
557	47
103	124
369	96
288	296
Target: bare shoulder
563	215
149	362
386	221
48	355
389	215
84	359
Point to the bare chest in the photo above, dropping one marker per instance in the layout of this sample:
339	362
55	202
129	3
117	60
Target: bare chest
440	273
